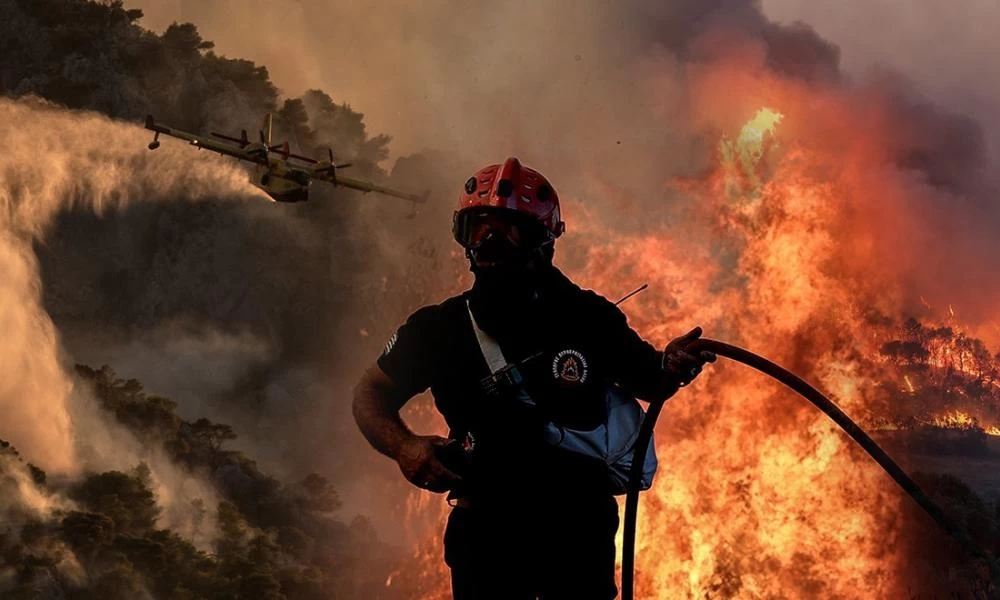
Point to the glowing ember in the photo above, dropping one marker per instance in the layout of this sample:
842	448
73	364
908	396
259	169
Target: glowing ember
961	421
955	420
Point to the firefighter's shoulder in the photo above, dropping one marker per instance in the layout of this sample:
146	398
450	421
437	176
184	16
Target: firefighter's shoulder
434	314
598	306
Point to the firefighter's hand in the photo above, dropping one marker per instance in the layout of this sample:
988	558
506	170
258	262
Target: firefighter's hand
419	463
683	366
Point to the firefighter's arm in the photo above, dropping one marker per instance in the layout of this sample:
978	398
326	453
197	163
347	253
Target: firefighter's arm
377	402
376	406
651	374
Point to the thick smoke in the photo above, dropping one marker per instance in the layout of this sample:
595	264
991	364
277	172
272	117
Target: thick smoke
944	51
21	498
23	501
414	63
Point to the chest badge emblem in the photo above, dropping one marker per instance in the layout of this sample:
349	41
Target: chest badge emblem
570	366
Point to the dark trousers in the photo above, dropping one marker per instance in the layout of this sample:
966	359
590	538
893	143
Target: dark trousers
538	549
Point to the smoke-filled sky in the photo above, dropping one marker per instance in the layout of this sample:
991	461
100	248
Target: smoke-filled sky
423	70
581	89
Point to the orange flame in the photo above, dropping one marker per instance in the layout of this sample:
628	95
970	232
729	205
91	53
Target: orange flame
955	420
759	495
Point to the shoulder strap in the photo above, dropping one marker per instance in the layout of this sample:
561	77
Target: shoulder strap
488	346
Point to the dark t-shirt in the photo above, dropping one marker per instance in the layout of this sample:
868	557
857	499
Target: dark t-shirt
584	345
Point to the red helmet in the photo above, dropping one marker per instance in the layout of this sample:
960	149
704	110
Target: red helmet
497	189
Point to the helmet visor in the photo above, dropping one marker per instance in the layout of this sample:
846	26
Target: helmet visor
474	226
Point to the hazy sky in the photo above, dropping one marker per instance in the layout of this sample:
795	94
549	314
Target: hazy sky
947	48
401	62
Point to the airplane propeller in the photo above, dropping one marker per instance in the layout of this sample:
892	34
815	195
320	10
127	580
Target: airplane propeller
335	166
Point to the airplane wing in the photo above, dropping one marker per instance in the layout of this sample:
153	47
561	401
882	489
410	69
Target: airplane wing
203	142
366	186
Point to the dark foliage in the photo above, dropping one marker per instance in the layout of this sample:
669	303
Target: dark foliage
274	541
968	575
95	55
277	540
945	371
125	498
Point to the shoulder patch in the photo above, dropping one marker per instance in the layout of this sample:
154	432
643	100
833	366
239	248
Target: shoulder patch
570	366
390	343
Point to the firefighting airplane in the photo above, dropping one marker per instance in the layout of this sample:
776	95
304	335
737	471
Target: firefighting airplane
281	179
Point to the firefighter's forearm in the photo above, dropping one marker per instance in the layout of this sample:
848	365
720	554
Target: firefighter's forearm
376	410
383	429
662	390
656	384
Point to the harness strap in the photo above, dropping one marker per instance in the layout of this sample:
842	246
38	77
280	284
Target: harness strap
491	350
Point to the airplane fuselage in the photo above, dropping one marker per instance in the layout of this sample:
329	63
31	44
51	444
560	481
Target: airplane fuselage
283	183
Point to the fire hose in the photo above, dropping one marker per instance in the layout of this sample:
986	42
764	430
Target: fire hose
819	401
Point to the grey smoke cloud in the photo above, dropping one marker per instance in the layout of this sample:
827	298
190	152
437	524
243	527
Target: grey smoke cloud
427	57
479	79
946	49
